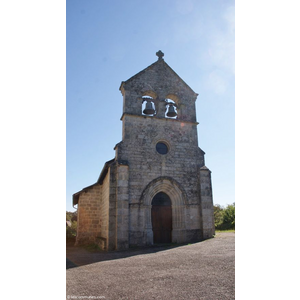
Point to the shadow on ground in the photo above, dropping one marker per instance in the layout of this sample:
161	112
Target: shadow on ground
70	264
79	256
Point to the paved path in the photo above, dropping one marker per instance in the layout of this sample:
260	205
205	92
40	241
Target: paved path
204	270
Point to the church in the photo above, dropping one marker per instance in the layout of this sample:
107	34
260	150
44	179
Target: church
157	188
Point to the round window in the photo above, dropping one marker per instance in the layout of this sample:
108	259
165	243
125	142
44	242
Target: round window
162	148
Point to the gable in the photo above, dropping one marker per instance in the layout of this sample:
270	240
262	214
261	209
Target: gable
158	75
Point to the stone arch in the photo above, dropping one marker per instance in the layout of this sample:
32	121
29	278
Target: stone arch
149	97
174	101
167	185
149	93
173	97
179	205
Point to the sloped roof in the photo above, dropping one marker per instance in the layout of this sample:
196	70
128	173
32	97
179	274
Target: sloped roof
205	168
99	181
156	66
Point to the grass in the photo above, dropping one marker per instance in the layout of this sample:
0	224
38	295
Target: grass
227	230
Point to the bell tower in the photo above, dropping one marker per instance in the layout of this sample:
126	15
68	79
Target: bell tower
163	91
160	144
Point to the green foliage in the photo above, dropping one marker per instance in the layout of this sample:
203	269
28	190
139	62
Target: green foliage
229	215
218	215
70	216
224	217
71	230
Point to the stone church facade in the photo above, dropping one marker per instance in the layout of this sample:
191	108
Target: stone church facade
157	188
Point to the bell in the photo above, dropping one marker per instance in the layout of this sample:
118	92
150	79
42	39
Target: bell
149	110
171	112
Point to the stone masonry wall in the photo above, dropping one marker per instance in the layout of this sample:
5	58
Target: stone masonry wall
88	226
207	203
112	219
102	239
122	207
181	163
139	149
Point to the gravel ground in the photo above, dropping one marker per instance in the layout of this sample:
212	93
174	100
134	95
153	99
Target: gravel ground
204	270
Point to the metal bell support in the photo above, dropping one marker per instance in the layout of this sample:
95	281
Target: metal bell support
149	110
171	112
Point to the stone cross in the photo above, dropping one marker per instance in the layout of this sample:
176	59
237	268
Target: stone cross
160	55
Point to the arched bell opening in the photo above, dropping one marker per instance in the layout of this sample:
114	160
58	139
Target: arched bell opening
148	106
171	109
161	218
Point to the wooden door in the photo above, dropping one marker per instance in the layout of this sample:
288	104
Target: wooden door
161	216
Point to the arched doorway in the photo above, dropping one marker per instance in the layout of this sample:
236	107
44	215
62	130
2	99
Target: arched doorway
161	217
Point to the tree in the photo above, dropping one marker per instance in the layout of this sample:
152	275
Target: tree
229	216
71	215
218	215
224	217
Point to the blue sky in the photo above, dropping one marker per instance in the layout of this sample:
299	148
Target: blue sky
110	41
